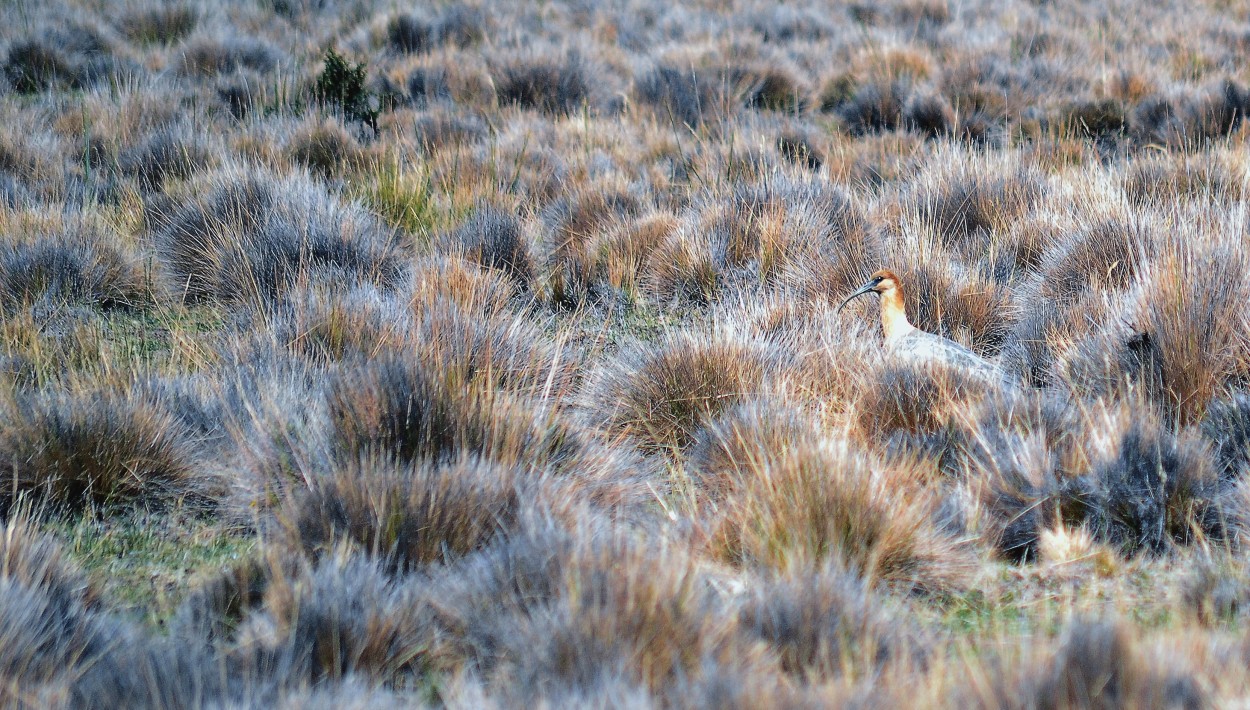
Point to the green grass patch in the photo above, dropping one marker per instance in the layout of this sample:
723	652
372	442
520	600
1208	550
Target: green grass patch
146	562
402	196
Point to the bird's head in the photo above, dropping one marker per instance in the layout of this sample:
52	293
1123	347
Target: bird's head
881	282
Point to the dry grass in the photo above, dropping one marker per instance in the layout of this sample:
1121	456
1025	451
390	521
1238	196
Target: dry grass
516	377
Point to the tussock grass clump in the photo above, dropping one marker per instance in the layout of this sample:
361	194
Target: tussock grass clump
1099	664
626	250
625	611
770	87
479	344
798	233
61	646
573	227
1194	335
1193	118
1118	474
1016	447
1021	490
1102	120
1154	180
552	85
33	66
50	641
799	148
407	515
166	154
325	328
69	451
967	205
338	618
813	501
660	397
823	621
246	237
869	108
326	148
160	24
437	131
495	239
1106	255
729	447
404	409
410	33
914	408
1081	345
34	560
210	56
74	264
684	96
1213	594
424	84
682	269
1153	490
457	24
931	115
1227	426
477	291
68	57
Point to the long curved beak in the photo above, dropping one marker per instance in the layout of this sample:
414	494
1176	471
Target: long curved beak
866	288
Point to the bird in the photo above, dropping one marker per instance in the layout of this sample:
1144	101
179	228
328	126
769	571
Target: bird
908	342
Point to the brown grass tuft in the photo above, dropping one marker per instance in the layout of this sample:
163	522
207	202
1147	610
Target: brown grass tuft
660	398
807	502
70	451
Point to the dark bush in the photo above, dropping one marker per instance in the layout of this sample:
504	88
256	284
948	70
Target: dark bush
344	86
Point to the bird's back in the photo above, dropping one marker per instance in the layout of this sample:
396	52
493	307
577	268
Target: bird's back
919	346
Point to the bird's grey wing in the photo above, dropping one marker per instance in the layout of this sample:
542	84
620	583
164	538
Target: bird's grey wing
926	347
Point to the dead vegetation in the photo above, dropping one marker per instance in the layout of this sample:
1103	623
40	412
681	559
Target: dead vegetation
490	352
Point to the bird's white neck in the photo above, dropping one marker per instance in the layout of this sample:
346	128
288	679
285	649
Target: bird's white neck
894	317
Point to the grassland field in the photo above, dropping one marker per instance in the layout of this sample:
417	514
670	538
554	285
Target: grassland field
367	353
